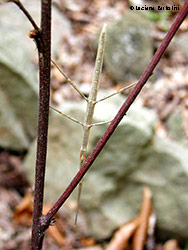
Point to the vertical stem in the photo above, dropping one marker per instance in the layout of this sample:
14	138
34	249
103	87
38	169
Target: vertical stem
44	76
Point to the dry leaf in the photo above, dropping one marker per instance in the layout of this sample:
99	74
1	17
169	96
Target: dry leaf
140	234
23	216
136	228
87	242
54	231
171	245
121	238
23	212
56	235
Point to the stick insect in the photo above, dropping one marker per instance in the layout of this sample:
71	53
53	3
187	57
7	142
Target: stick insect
91	102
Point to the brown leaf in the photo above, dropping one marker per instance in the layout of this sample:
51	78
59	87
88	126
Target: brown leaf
54	230
23	212
171	245
140	234
56	235
121	238
87	242
23	216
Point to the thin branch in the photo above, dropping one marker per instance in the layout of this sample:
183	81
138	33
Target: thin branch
29	17
69	80
36	33
117	92
44	76
67	116
132	96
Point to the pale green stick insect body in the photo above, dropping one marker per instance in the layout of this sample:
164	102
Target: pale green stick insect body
91	102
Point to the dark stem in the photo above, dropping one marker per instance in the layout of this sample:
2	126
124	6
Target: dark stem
148	72
44	76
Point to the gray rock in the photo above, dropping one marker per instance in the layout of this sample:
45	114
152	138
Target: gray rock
13	19
134	157
163	167
63	156
128	47
19	87
19	77
11	131
180	43
175	126
64	143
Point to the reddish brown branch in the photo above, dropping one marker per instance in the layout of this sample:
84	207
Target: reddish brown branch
148	72
44	76
42	38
